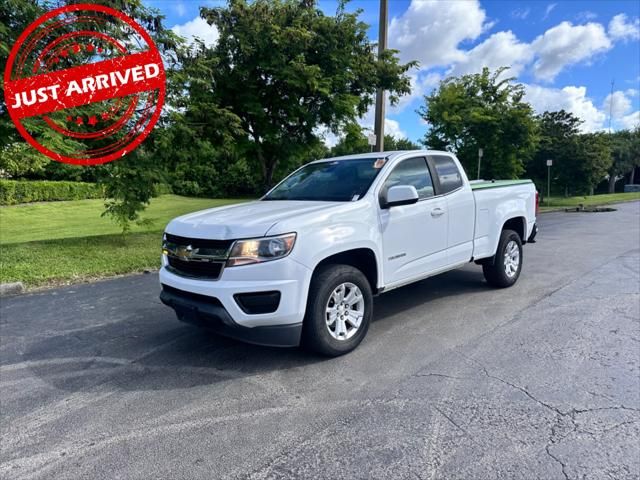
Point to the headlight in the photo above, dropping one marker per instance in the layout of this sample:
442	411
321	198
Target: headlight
257	250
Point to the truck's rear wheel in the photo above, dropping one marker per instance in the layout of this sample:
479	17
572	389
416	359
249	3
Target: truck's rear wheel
339	310
507	264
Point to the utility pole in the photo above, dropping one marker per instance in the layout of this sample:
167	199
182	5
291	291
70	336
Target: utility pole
480	152
611	105
382	46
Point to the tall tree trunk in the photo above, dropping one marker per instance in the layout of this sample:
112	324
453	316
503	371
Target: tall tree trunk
268	178
612	183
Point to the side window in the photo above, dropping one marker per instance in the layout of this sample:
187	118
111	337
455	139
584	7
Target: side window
411	172
448	173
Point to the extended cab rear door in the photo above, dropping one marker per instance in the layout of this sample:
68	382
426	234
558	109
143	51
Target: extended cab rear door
453	186
414	237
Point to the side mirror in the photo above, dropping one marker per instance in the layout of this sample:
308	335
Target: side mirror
400	195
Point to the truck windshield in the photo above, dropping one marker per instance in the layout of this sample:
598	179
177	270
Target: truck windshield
332	181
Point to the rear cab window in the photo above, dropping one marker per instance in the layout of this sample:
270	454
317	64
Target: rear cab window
448	174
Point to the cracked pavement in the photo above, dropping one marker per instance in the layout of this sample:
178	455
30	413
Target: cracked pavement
454	381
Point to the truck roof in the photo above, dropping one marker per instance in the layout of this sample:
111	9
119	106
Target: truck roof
387	154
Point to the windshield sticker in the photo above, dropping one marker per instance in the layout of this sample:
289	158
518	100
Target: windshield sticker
380	163
355	198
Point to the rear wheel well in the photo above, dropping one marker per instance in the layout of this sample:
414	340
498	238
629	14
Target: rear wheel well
517	224
361	258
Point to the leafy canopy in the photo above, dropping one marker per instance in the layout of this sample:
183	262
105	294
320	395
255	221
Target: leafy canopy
285	69
482	111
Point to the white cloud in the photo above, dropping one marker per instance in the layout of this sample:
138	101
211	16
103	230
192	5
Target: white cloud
566	44
197	28
431	31
392	127
618	104
620	29
549	9
572	99
521	13
421	84
585	16
330	139
500	49
631	121
180	9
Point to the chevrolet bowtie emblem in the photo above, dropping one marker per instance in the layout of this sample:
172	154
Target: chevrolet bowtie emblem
185	253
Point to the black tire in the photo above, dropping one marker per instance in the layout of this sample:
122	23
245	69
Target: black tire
315	333
495	272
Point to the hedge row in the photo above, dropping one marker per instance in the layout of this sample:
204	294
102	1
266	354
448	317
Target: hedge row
13	192
26	191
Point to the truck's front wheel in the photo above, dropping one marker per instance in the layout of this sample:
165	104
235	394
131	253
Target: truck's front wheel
507	264
339	310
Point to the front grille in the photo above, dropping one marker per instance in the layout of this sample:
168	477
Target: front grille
196	257
195	269
198	242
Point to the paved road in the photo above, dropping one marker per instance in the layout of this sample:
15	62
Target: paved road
454	381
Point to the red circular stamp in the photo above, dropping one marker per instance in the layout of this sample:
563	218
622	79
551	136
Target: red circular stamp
84	84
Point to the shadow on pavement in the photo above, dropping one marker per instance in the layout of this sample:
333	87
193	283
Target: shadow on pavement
151	350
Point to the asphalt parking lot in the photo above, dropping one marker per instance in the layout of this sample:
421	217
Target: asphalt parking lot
454	381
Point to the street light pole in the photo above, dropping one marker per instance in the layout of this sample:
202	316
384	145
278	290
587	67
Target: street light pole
382	46
480	152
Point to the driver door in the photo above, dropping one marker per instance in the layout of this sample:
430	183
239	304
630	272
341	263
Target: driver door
414	237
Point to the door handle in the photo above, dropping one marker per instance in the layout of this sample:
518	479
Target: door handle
436	212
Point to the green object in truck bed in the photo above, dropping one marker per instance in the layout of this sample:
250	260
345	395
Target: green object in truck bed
483	184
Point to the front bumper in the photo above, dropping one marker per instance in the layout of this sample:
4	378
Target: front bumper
213	303
213	316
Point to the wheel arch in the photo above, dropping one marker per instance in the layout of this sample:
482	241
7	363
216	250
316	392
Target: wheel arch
364	259
518	225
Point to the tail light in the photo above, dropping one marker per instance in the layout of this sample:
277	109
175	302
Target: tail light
537	202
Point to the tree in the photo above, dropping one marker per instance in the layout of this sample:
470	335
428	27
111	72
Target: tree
623	154
285	69
593	158
482	111
558	134
129	183
354	141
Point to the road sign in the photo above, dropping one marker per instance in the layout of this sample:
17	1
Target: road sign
549	163
371	139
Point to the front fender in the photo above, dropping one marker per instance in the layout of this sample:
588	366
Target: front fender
351	226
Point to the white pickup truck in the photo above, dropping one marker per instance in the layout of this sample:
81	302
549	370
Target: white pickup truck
302	264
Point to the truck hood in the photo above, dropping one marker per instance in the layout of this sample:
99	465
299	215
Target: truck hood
253	219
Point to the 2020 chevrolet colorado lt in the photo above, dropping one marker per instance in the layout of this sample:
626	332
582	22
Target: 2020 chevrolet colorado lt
302	264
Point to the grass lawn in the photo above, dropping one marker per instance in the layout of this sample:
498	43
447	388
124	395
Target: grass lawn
61	242
605	199
64	242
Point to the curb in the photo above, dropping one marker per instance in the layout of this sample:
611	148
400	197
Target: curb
562	209
14	288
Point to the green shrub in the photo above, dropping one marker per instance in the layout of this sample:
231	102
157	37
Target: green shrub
27	191
161	189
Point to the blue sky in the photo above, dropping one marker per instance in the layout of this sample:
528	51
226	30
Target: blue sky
566	53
